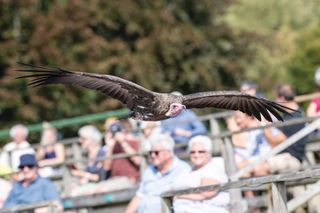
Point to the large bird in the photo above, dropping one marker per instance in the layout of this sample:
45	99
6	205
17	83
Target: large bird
152	106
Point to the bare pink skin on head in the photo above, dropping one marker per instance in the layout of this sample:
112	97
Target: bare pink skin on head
175	109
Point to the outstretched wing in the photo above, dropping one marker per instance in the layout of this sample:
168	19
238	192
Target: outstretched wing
125	91
234	100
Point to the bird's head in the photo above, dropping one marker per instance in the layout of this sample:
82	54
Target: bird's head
175	109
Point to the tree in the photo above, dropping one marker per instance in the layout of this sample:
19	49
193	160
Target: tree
276	25
305	61
162	45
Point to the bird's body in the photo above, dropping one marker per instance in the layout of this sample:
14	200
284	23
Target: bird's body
152	106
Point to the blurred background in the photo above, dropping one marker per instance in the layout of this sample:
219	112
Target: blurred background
189	46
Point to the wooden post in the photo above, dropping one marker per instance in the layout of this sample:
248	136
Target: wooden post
279	197
238	205
52	208
166	205
77	154
296	202
215	130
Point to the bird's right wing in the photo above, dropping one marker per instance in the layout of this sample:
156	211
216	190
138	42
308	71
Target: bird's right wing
125	91
234	100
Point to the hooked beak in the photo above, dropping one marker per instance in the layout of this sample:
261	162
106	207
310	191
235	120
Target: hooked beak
175	109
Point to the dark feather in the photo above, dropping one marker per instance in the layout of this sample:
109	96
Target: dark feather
148	105
234	100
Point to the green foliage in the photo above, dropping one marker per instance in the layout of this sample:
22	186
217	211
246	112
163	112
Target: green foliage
162	45
305	61
276	25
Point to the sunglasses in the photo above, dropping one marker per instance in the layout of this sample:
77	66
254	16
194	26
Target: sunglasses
29	166
155	152
198	151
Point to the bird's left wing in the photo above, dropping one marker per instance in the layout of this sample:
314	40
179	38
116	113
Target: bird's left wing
234	100
125	91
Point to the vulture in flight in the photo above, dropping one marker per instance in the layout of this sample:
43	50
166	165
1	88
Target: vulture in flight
147	105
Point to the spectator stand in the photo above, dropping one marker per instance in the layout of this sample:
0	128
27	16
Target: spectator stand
222	143
237	199
277	183
50	205
74	155
237	205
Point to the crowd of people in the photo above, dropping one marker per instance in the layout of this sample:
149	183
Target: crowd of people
26	170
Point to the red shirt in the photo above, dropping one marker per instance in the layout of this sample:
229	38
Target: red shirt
317	102
124	166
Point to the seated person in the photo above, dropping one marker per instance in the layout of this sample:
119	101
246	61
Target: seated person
32	188
251	143
183	127
158	177
19	146
206	171
119	141
291	158
90	140
50	153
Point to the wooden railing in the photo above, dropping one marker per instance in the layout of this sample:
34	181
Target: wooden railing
52	207
277	183
237	202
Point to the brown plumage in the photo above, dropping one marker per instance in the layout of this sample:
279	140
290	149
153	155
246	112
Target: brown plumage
151	106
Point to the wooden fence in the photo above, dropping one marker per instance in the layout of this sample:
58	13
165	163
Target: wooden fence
223	143
51	207
277	183
238	205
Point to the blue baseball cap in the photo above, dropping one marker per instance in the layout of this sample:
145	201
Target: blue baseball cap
27	160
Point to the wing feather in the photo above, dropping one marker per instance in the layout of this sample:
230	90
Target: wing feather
118	88
234	100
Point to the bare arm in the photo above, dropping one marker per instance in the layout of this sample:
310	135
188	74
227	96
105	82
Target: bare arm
274	140
110	142
85	176
240	139
312	110
59	159
133	205
202	195
127	148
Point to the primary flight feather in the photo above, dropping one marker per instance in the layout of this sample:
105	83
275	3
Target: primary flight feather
152	106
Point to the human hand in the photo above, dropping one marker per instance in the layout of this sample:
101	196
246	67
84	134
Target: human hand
110	142
76	172
182	132
120	136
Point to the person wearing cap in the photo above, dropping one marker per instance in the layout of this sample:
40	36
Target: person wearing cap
159	176
206	171
32	188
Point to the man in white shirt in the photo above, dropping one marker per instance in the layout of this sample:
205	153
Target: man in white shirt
19	146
